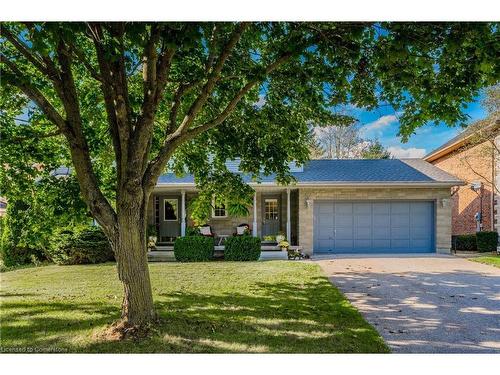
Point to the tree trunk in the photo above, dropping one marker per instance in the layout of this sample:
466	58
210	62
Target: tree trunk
132	263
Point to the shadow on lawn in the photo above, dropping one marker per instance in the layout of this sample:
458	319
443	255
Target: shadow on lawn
282	317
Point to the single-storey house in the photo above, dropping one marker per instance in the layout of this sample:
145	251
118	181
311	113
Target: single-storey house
473	157
335	206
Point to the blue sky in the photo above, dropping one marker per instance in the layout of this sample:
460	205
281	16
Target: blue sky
382	124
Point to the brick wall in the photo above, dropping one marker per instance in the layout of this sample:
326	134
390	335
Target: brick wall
472	164
443	208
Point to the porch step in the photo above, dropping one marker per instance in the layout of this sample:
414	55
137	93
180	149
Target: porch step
168	255
273	255
161	256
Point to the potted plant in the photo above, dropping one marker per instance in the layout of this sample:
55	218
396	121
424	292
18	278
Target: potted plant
280	237
269	239
152	236
284	245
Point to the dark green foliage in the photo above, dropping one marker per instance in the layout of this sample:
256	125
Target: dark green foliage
80	246
465	242
486	241
193	231
194	249
243	248
17	245
375	151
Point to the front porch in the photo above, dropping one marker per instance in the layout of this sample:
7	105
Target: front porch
274	212
165	253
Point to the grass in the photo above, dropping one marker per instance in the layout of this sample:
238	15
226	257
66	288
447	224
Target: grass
493	260
272	306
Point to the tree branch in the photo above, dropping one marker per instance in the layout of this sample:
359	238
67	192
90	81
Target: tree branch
25	52
36	136
236	99
16	78
212	79
172	141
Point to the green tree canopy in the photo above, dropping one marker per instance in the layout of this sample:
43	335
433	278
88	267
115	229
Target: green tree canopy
128	99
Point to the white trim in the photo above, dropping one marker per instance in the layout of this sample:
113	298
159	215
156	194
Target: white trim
288	223
176	206
183	213
356	184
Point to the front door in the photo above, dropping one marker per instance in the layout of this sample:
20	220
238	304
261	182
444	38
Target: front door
170	226
271	214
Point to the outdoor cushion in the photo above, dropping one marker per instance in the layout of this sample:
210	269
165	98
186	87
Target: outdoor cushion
241	230
205	231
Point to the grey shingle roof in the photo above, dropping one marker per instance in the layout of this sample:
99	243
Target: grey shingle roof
353	171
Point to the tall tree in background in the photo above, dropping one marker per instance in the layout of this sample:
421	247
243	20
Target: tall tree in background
152	94
375	150
344	142
340	142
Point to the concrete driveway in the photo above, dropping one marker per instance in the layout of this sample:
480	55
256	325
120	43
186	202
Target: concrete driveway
425	303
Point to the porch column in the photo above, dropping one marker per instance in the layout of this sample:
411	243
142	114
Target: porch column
288	224
183	213
254	225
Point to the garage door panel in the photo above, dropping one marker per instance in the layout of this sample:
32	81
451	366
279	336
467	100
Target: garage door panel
381	208
400	208
362	221
342	233
400	244
421	244
344	244
363	233
363	244
381	220
381	244
371	227
362	208
343	208
326	208
381	233
419	232
402	233
400	220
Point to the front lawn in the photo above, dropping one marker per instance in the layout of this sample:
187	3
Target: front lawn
493	260
272	306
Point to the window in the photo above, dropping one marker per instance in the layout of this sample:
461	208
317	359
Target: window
271	209
170	209
219	210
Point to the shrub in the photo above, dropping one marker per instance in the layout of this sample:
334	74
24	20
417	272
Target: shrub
12	251
466	242
486	241
194	248
242	248
193	231
80	246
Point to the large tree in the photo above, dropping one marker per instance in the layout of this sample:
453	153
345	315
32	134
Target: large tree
192	95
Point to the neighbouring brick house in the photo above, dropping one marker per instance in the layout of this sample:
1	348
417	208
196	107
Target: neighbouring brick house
335	206
472	156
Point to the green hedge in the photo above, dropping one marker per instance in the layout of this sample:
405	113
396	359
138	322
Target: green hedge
12	252
464	242
242	248
486	241
194	248
81	246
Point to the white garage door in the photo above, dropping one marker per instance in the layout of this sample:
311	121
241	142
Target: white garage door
373	227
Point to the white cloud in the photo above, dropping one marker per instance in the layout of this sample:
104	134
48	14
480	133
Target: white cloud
379	124
412	152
